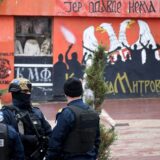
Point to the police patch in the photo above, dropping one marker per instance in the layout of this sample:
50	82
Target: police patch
1	116
60	110
1	142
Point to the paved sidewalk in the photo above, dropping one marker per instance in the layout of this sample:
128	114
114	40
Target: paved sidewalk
140	140
138	127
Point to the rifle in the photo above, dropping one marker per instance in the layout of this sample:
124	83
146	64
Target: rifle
39	153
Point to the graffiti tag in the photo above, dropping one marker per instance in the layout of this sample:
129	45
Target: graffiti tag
105	6
111	6
141	7
35	74
122	84
73	6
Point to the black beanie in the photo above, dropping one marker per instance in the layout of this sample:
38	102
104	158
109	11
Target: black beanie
73	87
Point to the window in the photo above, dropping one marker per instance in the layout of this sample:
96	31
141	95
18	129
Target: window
32	41
33	36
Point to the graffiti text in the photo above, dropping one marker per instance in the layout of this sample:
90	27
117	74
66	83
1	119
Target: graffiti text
35	74
141	7
105	6
73	6
142	87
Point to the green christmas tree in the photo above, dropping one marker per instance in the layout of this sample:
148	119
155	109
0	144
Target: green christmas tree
96	83
95	77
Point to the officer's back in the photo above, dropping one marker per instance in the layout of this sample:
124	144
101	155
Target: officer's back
11	147
76	135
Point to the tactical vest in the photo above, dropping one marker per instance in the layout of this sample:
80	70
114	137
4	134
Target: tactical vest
82	137
31	122
28	124
3	142
24	119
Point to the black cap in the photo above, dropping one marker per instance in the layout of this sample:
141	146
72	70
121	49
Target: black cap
73	87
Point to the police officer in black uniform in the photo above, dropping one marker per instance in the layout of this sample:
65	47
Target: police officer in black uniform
76	135
29	121
11	147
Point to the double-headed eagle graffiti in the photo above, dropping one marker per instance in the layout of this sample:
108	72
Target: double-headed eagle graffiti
119	45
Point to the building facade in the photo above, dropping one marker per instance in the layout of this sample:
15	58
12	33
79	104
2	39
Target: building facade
48	41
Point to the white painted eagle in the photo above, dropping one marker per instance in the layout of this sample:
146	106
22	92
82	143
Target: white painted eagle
122	31
90	44
115	46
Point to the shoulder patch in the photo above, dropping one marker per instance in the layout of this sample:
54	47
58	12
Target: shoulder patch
60	110
1	116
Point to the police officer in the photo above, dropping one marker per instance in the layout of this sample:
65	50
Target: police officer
9	138
29	121
76	134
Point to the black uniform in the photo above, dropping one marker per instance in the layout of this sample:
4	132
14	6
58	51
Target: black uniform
30	139
76	135
11	147
28	121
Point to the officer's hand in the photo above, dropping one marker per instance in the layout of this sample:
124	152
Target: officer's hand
44	140
29	139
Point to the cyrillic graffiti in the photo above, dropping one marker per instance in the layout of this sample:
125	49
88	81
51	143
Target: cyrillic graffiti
39	71
34	74
73	6
110	6
105	6
141	7
95	6
122	84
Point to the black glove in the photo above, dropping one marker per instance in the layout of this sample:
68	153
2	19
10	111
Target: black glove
29	139
44	141
40	149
